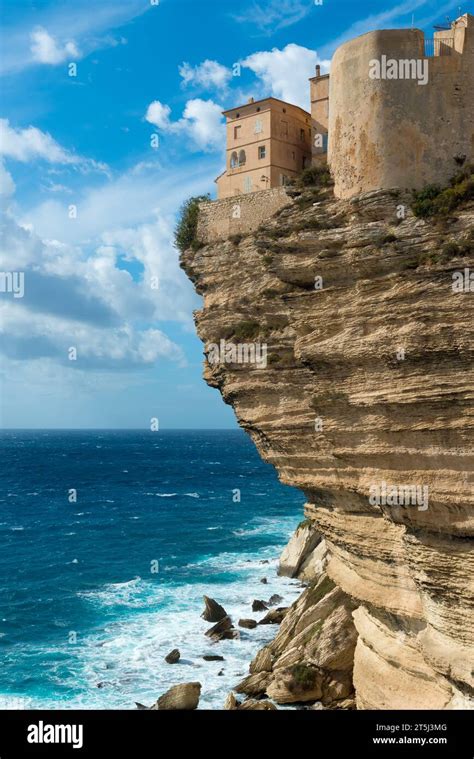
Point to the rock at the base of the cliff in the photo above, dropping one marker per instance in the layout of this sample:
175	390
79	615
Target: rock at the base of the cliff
311	657
258	605
263	661
274	617
297	684
346	704
173	657
212	657
300	546
259	705
274	599
180	697
255	684
223	630
231	703
213	612
247	623
314	564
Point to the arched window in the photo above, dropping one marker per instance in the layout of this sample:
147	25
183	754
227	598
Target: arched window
234	161
242	157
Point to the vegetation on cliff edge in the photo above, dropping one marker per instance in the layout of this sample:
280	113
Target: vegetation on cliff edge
435	201
186	228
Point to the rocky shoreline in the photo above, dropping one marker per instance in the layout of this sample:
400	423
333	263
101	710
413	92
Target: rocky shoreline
309	662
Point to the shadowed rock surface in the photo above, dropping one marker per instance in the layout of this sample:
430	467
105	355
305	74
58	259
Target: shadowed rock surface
248	623
223	630
213	612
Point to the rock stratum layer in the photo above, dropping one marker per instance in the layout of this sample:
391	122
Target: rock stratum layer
369	380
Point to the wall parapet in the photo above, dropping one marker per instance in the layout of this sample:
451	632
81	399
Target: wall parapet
241	214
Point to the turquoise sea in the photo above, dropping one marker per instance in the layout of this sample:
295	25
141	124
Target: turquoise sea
108	541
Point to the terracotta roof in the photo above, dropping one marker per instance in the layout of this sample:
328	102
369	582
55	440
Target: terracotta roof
264	100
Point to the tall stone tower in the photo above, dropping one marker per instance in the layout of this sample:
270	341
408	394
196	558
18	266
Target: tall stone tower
408	122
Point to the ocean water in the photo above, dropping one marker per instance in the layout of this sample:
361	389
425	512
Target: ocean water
85	618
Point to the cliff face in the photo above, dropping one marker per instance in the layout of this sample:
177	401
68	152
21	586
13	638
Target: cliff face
368	387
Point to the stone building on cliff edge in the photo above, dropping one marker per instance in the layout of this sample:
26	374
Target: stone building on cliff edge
268	143
405	121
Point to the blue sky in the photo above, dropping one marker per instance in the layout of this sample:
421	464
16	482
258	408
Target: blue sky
85	141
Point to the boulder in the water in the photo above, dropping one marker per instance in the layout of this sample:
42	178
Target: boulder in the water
213	612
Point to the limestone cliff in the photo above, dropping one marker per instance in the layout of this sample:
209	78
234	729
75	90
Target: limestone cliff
369	381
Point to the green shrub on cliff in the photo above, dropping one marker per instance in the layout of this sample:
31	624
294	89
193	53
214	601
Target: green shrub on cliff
303	675
434	201
246	330
186	228
315	176
464	247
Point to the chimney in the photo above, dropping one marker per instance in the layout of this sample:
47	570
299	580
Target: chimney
251	100
318	70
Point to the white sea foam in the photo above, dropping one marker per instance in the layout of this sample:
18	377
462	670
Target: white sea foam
127	657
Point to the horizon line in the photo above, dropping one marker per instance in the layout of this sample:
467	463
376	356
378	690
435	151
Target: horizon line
117	429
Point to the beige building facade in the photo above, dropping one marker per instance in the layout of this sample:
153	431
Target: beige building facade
319	96
268	143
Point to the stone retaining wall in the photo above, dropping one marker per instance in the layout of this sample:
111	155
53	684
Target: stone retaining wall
218	219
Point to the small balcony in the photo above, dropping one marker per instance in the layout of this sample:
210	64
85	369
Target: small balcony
438	46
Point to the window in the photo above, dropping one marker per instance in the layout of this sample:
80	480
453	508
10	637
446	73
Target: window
325	142
305	162
293	155
284	180
247	184
258	126
302	135
237	130
283	129
242	157
234	160
262	151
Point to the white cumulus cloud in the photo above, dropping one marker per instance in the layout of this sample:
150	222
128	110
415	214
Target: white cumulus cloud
25	144
46	49
159	115
7	185
201	122
31	144
208	75
285	73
